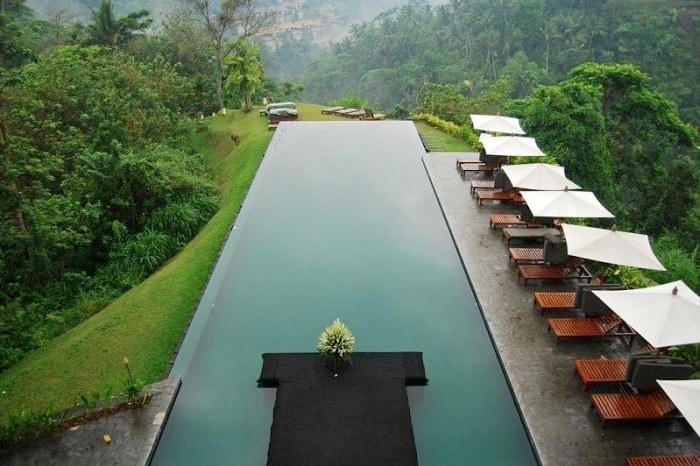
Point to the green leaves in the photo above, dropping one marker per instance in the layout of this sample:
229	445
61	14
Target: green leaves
90	186
245	71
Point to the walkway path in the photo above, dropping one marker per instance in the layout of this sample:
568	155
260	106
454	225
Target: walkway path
556	409
133	434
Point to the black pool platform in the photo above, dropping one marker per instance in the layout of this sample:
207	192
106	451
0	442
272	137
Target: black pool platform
360	417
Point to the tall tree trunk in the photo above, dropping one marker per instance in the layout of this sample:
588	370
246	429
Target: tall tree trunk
219	77
22	225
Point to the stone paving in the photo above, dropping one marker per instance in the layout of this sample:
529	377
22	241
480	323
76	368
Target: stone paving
557	412
133	435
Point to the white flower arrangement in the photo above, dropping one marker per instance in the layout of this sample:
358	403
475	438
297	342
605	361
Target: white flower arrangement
336	343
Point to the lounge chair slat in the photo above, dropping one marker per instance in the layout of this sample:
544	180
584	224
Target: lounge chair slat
503	196
505	220
525	255
663	461
482	184
549	300
631	406
598	371
586	327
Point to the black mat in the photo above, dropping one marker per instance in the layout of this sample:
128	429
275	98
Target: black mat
360	417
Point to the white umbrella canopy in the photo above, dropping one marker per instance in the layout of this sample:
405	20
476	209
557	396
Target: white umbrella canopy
497	124
611	246
539	176
685	394
664	315
560	204
516	146
485	136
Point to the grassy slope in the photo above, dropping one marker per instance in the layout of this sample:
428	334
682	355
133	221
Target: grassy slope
146	323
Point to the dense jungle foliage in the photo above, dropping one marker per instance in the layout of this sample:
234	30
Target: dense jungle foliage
473	43
96	191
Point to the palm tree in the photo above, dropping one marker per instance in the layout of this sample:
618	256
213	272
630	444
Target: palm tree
107	29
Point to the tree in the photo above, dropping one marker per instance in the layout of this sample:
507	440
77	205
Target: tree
622	140
245	71
94	190
14	49
235	19
106	29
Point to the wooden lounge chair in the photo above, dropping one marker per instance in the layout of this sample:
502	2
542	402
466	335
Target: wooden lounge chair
517	220
469	158
500	182
528	234
483	185
633	407
355	114
502	196
568	300
554	300
344	111
477	167
506	220
663	461
603	326
640	371
553	252
573	269
526	255
331	110
601	371
371	116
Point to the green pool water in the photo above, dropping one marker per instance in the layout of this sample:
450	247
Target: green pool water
341	221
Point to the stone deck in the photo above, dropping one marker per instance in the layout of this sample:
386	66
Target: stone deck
133	434
556	410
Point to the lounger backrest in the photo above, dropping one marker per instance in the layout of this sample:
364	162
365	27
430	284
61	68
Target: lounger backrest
488	158
499	180
646	374
555	251
593	286
648	357
507	184
526	214
591	305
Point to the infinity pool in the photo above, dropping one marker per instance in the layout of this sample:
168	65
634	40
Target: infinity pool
341	221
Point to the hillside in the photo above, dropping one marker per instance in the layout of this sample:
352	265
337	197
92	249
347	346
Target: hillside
321	20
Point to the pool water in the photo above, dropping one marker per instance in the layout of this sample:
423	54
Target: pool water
341	221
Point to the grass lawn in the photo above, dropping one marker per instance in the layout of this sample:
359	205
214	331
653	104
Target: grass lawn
438	141
146	323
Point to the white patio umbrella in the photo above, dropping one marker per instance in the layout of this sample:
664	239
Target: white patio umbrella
664	315
485	136
560	204
497	124
685	394
539	176
611	246
511	146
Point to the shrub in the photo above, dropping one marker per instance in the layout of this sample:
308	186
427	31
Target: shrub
465	132
350	101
